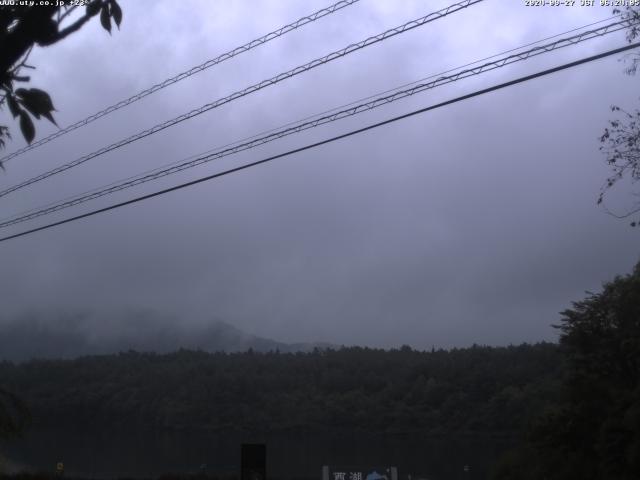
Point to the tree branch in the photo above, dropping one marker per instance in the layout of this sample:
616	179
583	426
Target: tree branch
75	26
65	14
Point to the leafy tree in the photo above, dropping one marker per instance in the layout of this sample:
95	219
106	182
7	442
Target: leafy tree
593	433
601	335
620	141
22	27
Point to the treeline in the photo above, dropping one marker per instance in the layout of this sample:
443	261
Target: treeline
473	390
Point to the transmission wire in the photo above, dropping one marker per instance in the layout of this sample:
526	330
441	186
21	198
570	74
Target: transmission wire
258	86
181	76
330	140
254	142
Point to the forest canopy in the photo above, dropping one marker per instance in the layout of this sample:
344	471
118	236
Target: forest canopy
477	389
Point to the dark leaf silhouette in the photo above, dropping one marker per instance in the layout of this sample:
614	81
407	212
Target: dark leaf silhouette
116	12
93	8
37	102
14	108
4	132
49	117
26	126
42	98
105	20
31	110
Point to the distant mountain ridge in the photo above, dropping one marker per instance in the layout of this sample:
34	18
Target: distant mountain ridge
71	336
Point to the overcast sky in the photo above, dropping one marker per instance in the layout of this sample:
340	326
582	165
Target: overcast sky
472	223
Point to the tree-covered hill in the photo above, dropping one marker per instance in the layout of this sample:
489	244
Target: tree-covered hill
477	389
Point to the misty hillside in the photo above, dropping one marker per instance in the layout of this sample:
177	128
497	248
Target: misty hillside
70	336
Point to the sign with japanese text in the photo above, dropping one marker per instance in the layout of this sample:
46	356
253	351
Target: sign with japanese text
359	473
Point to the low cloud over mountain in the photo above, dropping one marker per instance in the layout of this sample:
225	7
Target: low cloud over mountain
38	335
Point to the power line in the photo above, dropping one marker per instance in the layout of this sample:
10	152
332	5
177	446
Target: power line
177	167
330	140
192	71
462	66
302	126
254	88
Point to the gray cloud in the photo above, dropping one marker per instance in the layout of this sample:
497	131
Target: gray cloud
473	223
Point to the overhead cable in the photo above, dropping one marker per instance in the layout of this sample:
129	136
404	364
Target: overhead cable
329	140
254	88
186	74
305	125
